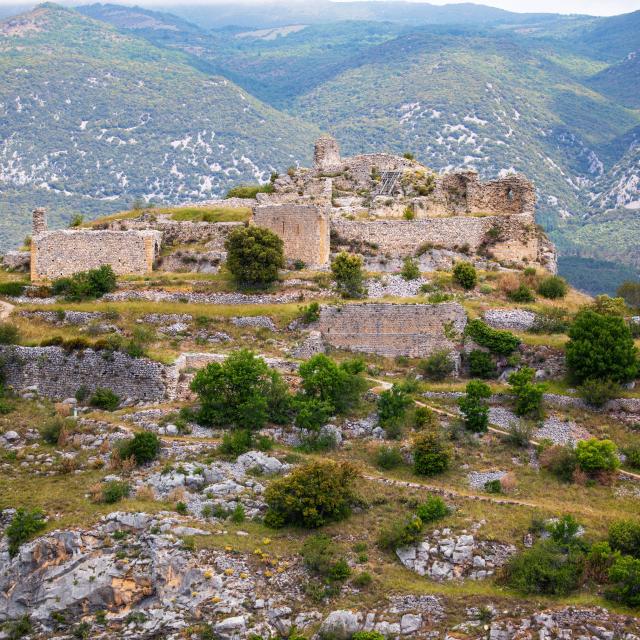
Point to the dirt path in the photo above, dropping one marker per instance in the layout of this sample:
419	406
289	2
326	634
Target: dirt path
5	309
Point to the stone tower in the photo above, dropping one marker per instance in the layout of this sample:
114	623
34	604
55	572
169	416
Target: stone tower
39	221
326	154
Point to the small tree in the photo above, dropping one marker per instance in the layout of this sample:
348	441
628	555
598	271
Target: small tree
528	393
624	577
410	269
465	274
392	406
311	413
311	495
431	453
347	272
242	392
254	255
474	406
553	287
601	347
144	447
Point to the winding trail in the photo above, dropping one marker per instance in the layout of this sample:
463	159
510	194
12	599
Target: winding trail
6	309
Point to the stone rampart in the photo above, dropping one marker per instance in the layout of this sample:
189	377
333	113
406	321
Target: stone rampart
55	254
414	330
58	374
303	228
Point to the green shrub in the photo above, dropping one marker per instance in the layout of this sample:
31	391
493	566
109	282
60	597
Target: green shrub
410	269
86	285
624	577
363	579
235	443
624	536
104	399
339	385
564	530
310	313
254	255
348	275
496	340
392	406
434	508
560	460
629	291
400	533
465	274
311	413
13	289
115	491
181	508
474	407
409	214
550	320
632	454
311	495
238	514
438	366
598	392
546	569
431	453
52	429
9	333
553	287
493	486
607	306
319	554
597	455
388	457
19	628
23	526
522	294
316	442
249	190
424	417
241	392
601	347
482	365
144	447
367	635
528	393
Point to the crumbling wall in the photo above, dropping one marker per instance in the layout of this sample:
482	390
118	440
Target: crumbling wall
414	330
58	374
326	154
55	254
303	228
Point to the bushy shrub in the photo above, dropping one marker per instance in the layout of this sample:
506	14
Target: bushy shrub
310	313
235	443
630	292
624	536
339	385
438	366
52	429
241	392
388	457
249	190
528	393
367	635
551	320
553	287
410	269
473	406
601	347
400	533
595	455
86	285
560	460
632	454
598	392
104	399
547	568
9	333
114	491
24	525
254	255
424	418
13	289
431	453
624	576
144	447
434	508
522	294
319	554
607	306
482	365
465	274
311	413
392	406
348	275
311	495
497	341
564	530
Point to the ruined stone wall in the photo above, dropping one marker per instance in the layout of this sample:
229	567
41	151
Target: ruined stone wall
414	330
326	154
55	254
58	374
303	228
358	170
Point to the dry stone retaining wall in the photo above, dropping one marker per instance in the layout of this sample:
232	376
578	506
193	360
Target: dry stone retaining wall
393	329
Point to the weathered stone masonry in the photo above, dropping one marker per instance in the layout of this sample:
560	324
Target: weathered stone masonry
414	330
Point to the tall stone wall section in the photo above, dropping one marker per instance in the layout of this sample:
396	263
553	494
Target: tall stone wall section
58	374
55	254
414	330
304	230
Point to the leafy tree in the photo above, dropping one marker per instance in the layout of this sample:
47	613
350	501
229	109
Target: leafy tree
347	272
144	447
438	365
474	406
431	453
311	495
601	347
465	274
482	365
339	385
528	393
312	413
624	577
24	524
410	269
392	406
630	292
242	392
553	287
254	255
595	455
